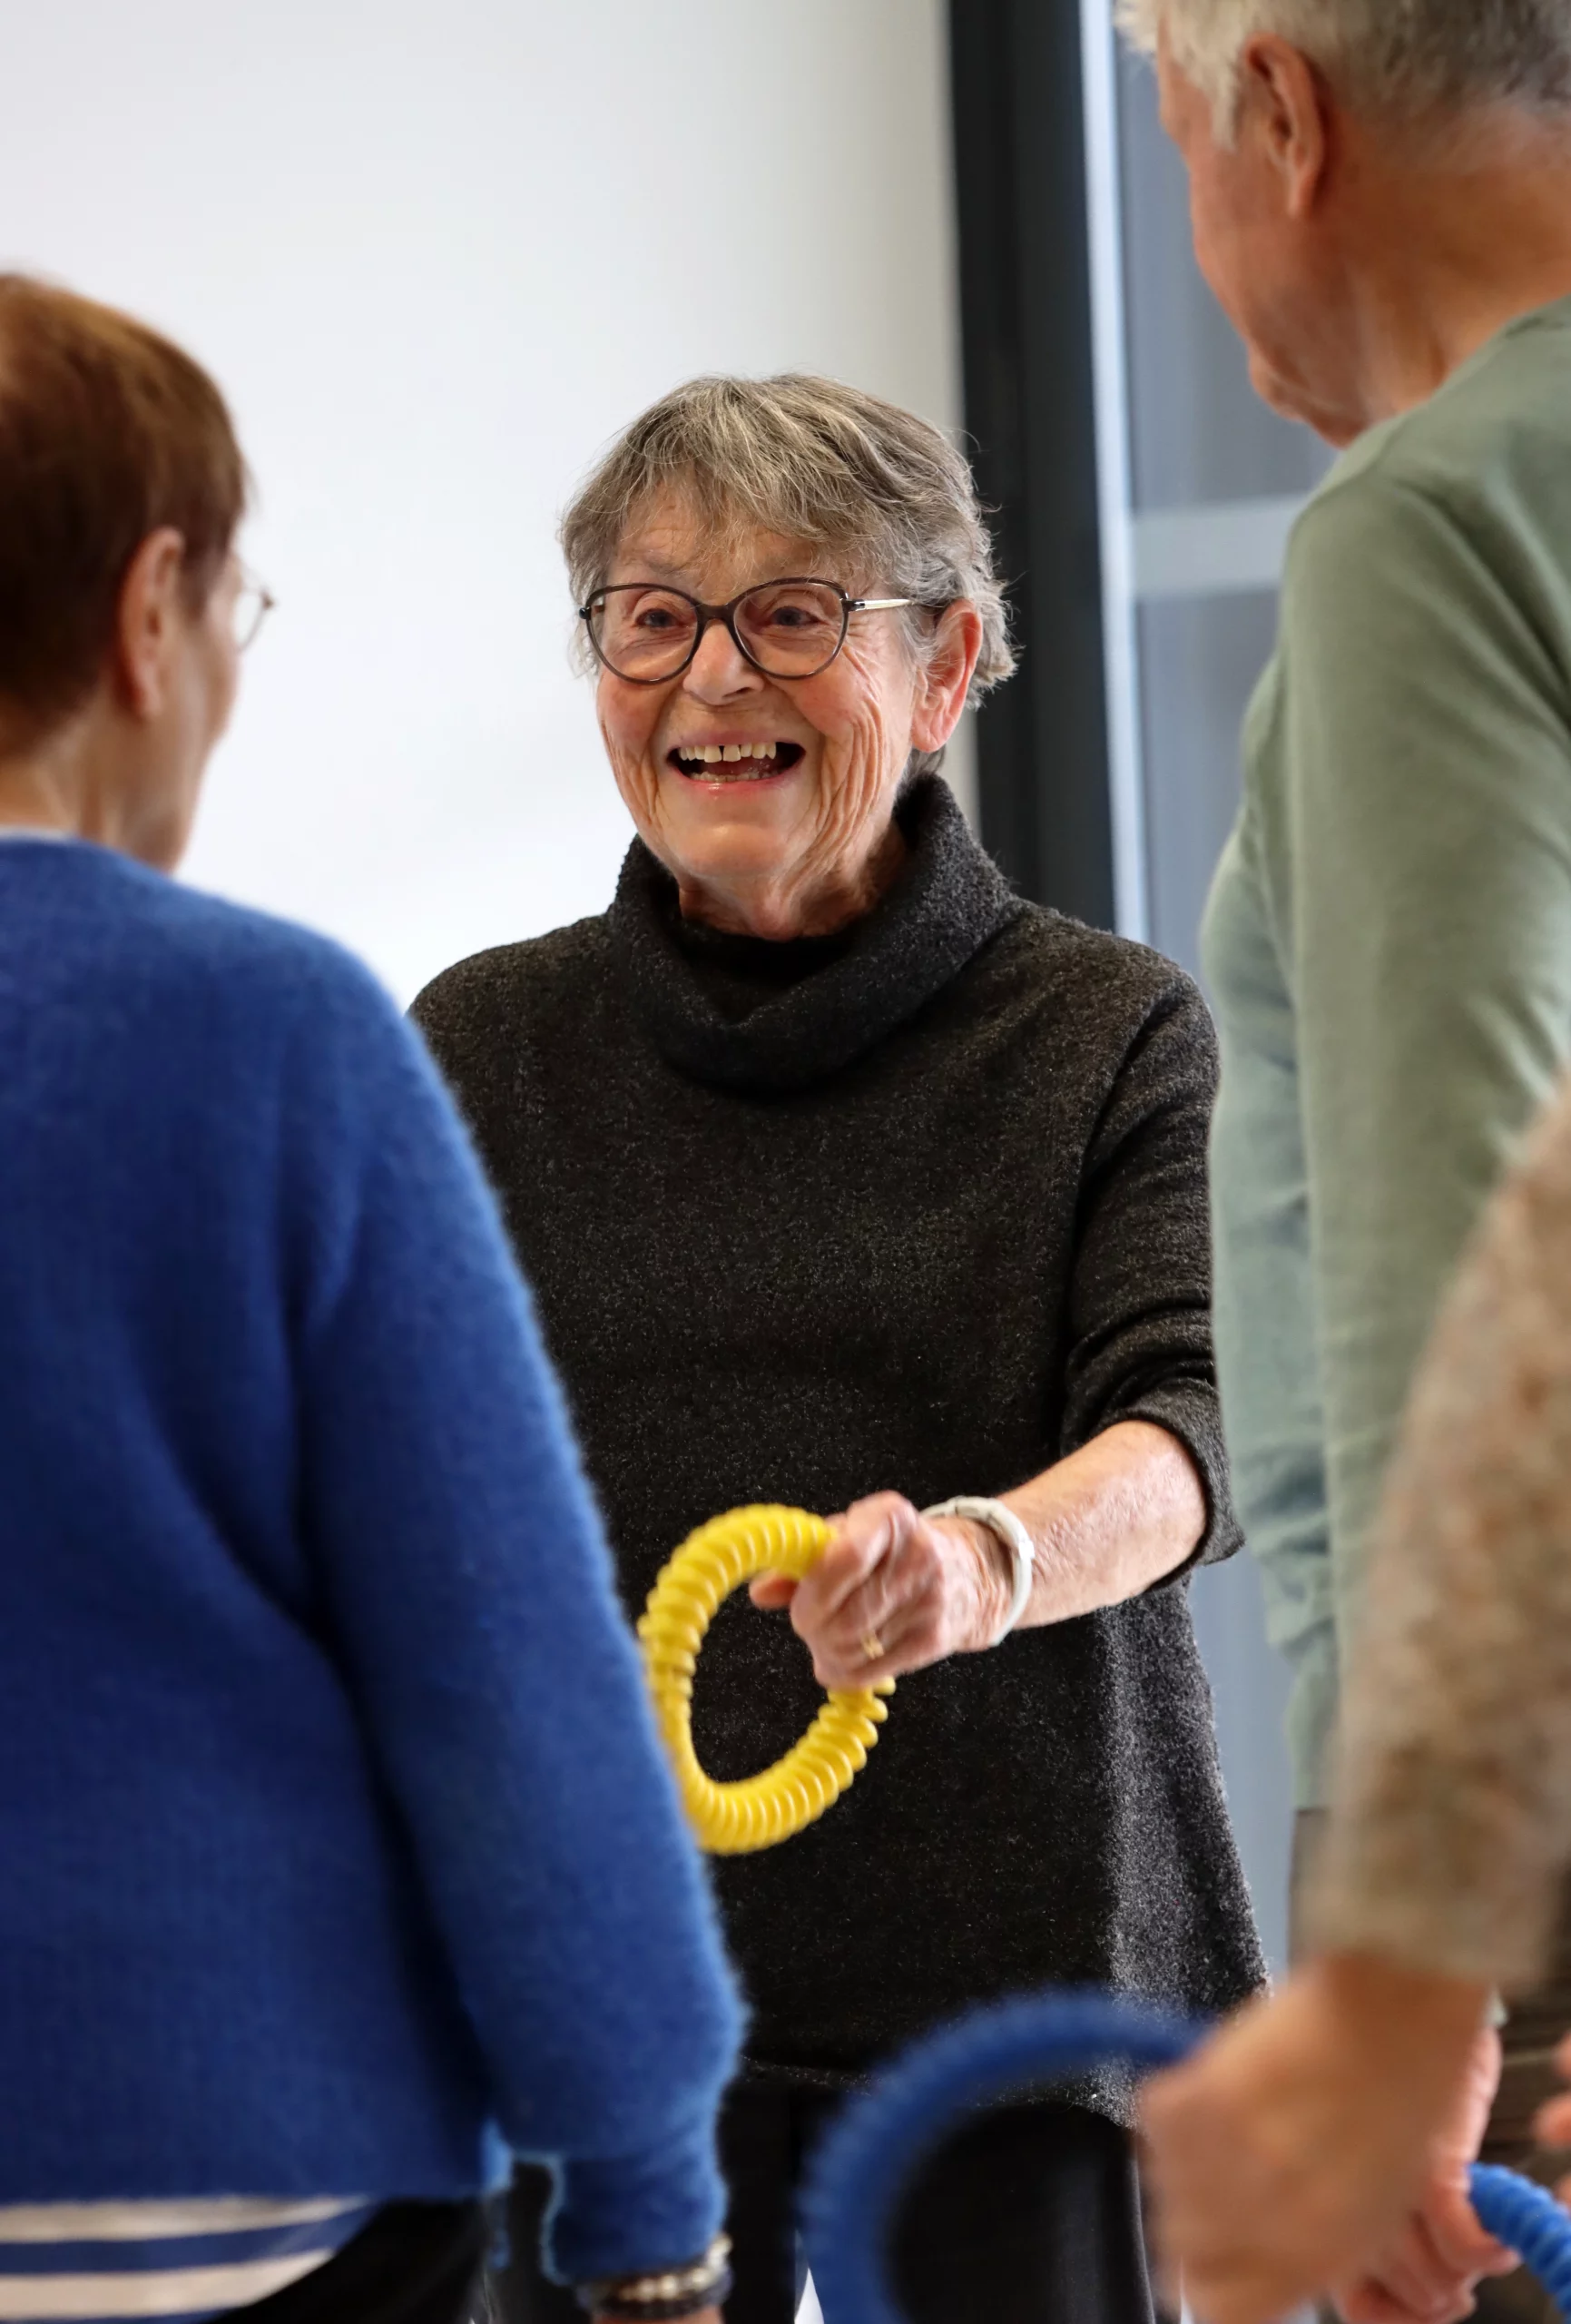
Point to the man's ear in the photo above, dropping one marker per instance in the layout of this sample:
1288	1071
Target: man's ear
149	619
1284	110
945	676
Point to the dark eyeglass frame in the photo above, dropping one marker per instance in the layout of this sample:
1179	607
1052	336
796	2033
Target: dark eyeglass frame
709	614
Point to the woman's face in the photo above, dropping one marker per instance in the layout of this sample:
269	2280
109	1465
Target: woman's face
803	840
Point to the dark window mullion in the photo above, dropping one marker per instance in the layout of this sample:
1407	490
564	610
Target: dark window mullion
1030	412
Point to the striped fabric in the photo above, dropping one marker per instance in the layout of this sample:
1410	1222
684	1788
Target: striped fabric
106	2263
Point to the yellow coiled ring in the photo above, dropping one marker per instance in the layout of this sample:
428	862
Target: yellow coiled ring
733	1818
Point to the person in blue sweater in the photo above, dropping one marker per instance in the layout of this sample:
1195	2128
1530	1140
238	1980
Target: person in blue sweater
339	1858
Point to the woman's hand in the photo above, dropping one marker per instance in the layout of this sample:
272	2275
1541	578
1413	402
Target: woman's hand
1106	1522
914	1589
1287	2156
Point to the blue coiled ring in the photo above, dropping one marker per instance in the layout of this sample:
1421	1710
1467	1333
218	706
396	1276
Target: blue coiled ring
872	2146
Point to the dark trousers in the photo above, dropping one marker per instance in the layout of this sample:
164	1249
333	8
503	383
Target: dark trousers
1028	2215
413	2263
1532	2028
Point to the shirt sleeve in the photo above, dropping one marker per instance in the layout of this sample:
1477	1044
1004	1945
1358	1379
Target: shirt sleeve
470	1599
1140	1293
1427	906
1452	1834
1263	1300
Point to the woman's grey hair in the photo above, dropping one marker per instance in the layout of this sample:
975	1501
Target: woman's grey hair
1405	58
816	462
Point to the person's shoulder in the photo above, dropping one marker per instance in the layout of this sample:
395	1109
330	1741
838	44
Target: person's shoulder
188	950
1487	458
508	984
1358	518
1059	946
1510	404
1105	983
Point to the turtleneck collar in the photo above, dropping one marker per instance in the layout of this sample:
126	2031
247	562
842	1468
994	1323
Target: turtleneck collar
760	1017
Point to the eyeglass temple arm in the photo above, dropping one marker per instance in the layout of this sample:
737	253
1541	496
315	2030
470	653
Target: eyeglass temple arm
876	605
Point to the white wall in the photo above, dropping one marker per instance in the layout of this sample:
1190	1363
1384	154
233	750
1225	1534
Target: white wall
437	252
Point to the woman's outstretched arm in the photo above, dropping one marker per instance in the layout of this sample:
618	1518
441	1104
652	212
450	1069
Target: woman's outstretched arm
1141	1490
1105	1523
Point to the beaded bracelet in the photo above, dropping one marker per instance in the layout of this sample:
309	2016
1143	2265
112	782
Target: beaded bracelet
656	2298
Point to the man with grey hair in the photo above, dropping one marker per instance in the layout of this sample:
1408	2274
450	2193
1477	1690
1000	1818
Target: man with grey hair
1411	58
1382	200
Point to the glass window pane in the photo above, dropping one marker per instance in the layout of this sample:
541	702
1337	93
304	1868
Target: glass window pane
1200	658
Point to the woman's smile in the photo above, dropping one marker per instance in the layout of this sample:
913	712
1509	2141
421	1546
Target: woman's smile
722	760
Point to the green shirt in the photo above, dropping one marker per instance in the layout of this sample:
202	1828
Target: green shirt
1388	941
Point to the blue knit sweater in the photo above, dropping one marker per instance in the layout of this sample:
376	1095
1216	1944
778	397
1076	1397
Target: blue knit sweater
335	1837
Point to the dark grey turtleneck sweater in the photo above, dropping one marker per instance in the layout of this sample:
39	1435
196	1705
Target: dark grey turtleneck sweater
920	1207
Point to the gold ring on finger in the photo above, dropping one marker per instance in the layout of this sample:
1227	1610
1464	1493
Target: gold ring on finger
872	1647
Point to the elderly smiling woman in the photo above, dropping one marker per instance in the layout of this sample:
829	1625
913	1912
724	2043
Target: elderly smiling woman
845	1178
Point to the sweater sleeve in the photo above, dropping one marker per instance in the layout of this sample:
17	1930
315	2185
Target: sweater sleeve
1427	847
1140	1296
1452	1834
471	1599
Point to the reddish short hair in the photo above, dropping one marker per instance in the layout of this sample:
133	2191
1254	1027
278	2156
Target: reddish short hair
107	432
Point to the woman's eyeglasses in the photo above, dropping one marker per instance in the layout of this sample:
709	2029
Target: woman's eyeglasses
649	634
252	605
